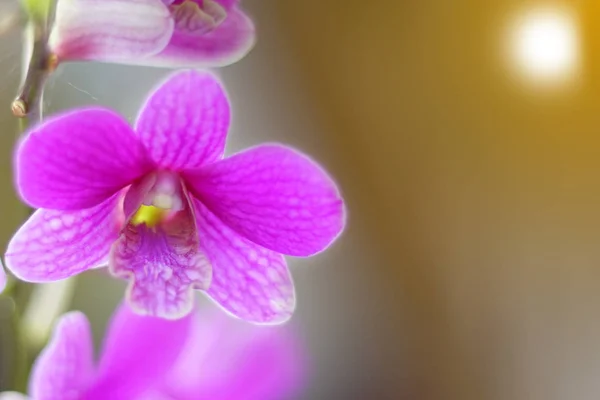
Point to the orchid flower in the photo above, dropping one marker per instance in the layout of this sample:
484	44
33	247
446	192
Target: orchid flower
174	33
145	358
171	212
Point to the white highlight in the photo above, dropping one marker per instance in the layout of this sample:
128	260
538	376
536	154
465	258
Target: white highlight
544	44
166	192
163	201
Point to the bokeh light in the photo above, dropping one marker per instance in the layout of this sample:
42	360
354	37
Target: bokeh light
543	45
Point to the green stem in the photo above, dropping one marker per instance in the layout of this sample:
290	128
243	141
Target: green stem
37	9
14	363
27	104
22	356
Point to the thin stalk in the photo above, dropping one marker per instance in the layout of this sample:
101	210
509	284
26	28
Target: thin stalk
41	62
38	62
22	357
27	103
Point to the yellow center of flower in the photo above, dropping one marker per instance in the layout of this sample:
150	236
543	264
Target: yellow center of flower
148	215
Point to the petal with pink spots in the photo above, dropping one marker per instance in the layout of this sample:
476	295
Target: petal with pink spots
274	196
78	159
184	123
54	245
248	281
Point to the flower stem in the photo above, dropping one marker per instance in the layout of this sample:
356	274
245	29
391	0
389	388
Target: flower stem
16	362
22	356
27	102
41	62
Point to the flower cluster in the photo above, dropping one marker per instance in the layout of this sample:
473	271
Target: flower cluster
161	207
205	355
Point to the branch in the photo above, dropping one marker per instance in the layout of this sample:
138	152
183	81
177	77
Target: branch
27	104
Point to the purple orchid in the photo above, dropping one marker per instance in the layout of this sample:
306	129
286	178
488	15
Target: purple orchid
147	358
176	33
173	214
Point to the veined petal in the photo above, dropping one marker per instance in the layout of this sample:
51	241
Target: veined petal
138	352
274	196
248	281
79	159
163	264
184	123
110	30
54	245
227	43
64	369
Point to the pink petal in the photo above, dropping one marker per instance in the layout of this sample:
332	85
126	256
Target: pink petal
64	369
78	160
229	42
249	281
110	30
137	193
226	358
163	264
54	245
184	123
138	352
274	196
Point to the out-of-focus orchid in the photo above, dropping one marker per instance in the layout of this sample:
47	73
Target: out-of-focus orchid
167	33
174	215
205	355
174	33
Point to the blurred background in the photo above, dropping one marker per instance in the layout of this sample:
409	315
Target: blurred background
465	138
